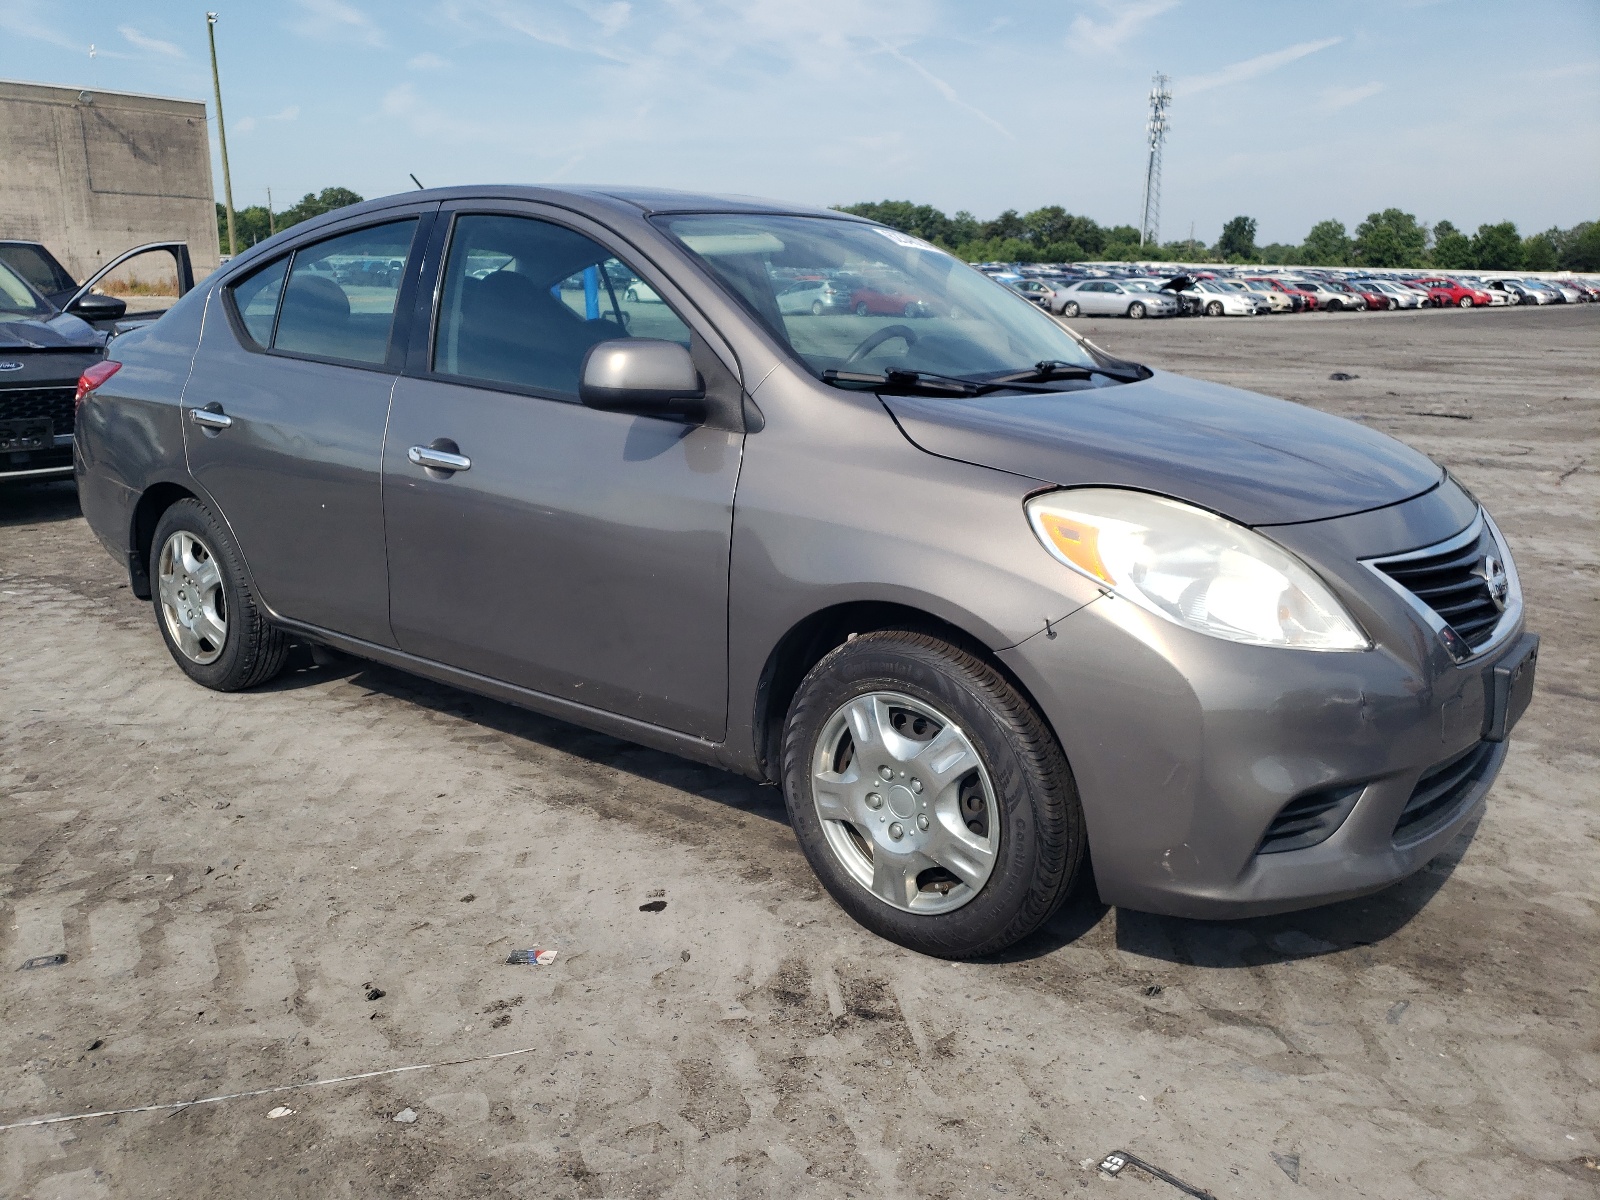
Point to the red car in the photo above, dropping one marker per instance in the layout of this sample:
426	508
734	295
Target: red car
886	300
1305	301
1447	292
1376	301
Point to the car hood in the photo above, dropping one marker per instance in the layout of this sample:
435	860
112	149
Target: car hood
1258	460
60	332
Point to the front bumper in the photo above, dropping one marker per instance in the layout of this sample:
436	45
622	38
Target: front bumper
1186	748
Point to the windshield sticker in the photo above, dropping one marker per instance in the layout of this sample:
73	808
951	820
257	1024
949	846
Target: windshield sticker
905	239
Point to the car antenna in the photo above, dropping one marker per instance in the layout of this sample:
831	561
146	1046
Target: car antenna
417	181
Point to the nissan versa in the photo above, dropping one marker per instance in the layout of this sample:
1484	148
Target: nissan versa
987	602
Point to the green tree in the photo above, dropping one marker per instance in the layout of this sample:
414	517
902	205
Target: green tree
1007	225
314	204
1539	253
1498	247
1327	245
919	220
1390	238
1579	249
1280	254
1238	240
1452	249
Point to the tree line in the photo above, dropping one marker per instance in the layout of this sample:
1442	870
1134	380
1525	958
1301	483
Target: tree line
257	224
1390	238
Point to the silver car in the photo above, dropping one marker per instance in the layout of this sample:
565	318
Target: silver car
984	601
1112	298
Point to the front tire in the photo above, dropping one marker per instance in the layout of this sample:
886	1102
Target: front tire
1214	309
1136	310
861	309
931	800
1464	302
209	615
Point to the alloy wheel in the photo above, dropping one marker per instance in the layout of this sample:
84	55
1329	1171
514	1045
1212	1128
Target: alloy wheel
193	603
905	803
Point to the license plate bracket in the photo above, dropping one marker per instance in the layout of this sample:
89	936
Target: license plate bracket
27	433
1508	688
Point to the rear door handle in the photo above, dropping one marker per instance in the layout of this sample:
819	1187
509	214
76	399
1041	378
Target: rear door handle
211	417
438	460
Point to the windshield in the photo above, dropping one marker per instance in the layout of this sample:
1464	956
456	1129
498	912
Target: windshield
18	300
896	304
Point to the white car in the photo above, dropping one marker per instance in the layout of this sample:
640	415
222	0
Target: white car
640	292
1224	298
1113	298
1399	295
1331	299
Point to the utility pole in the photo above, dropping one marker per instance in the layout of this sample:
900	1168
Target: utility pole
1156	128
272	228
222	133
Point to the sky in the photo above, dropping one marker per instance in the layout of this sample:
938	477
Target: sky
1469	110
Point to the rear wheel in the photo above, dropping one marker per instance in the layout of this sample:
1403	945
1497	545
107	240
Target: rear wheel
929	797
214	625
861	309
1070	309
816	308
1136	310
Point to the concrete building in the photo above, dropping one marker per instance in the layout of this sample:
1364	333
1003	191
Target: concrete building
92	173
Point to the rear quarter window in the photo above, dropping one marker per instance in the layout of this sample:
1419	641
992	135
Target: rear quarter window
255	299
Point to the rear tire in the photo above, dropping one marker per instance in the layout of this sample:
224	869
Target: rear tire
861	309
1070	309
202	597
902	692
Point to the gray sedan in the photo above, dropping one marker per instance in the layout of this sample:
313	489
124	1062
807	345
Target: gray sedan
1112	298
981	599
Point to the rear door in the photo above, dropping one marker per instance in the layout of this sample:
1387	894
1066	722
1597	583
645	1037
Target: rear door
577	553
284	416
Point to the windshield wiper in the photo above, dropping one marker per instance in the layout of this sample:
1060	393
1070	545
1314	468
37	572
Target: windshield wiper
915	380
1054	368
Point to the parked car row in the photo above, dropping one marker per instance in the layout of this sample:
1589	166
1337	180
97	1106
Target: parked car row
1072	290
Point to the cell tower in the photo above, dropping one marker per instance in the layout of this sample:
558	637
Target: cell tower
1156	128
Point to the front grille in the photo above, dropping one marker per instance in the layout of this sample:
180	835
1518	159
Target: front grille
1453	585
1439	793
1309	819
56	403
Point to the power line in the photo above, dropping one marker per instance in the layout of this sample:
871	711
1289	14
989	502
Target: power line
1156	129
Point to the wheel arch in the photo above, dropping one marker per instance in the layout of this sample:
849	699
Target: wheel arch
154	501
810	639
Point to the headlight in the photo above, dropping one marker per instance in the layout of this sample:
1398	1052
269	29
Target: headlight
1194	568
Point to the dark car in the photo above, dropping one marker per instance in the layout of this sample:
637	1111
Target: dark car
45	274
982	599
43	352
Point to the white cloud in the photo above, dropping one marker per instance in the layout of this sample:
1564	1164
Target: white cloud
145	42
1251	68
428	61
244	125
1126	20
334	20
23	19
426	121
288	114
1333	99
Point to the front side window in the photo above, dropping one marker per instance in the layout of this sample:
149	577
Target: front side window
40	270
340	299
525	299
908	305
18	300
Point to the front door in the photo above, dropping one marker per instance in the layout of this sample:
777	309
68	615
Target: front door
577	553
284	416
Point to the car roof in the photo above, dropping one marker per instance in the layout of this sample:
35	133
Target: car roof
651	201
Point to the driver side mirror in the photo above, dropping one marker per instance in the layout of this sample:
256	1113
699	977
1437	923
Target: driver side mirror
645	376
93	306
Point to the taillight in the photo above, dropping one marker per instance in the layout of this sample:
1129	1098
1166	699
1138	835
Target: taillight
93	378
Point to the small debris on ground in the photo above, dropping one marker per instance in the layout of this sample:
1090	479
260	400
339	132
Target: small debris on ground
374	993
684	956
653	906
1448	416
653	893
1155	989
1289	1164
43	960
1114	1163
406	1116
531	958
1396	1011
1341	377
280	1111
469	898
96	1044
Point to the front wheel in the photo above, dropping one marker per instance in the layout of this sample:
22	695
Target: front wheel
929	797
816	308
1136	310
208	613
1464	302
1214	309
1070	309
861	309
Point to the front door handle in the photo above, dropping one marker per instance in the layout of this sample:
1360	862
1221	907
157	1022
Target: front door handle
435	459
210	417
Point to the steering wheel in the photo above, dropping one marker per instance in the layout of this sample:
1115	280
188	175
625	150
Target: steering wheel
879	337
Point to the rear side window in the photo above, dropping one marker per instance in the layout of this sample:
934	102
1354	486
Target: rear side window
524	300
256	300
340	299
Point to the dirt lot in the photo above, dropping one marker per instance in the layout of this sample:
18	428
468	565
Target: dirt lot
326	877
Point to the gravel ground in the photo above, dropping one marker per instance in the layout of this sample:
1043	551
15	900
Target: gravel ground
325	877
